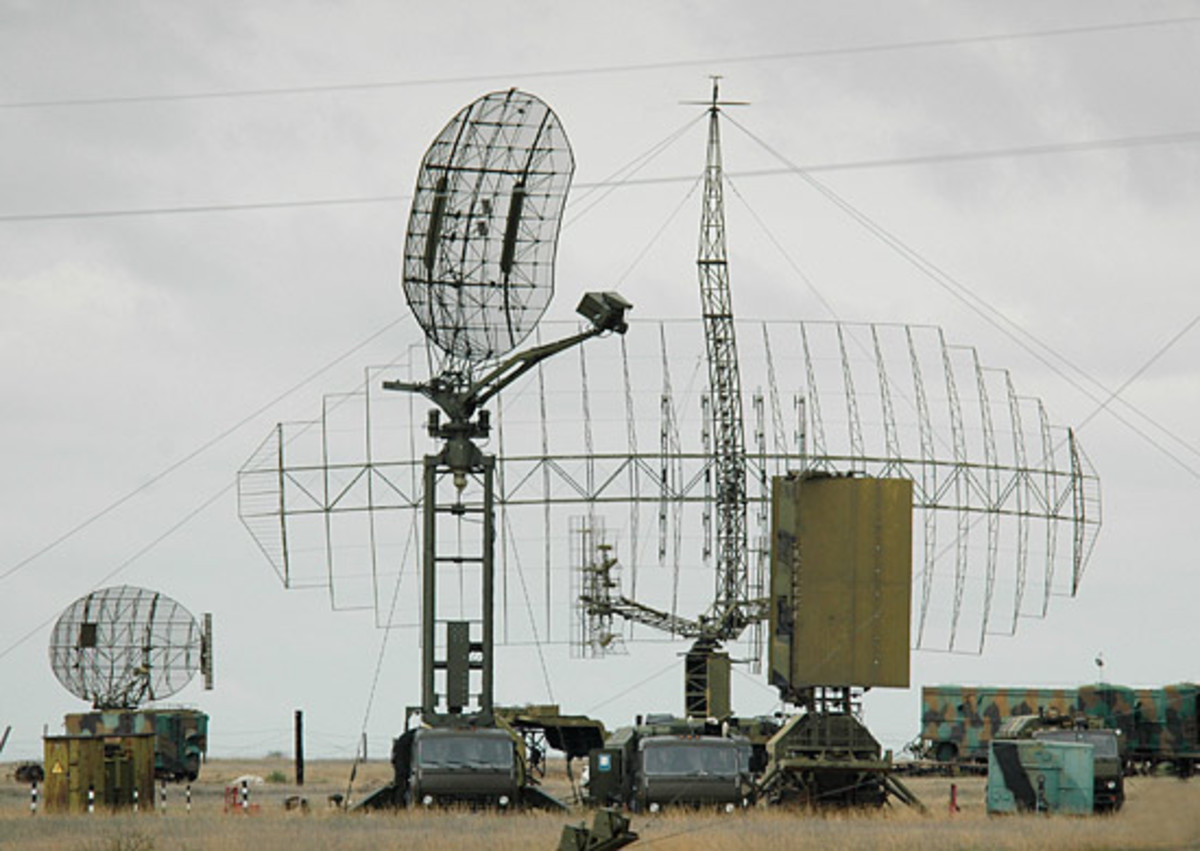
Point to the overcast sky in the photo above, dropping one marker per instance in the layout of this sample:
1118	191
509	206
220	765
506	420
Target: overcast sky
175	277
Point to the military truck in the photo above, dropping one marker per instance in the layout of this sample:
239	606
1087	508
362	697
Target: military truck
665	761
474	766
1108	749
958	722
1160	726
478	765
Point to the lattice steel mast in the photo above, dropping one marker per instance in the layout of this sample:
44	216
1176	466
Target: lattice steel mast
725	387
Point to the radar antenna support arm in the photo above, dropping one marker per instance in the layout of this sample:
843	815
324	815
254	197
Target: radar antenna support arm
606	312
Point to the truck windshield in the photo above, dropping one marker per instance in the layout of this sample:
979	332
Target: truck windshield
1104	745
466	751
689	758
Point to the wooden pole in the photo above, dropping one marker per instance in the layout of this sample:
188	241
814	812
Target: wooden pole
299	747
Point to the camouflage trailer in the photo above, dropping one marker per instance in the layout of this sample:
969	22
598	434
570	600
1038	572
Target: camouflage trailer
1160	726
1115	706
1176	737
180	735
958	722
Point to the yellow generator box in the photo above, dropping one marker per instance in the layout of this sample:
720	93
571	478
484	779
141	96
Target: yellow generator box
841	581
116	770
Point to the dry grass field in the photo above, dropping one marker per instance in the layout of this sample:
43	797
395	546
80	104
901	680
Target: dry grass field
1160	813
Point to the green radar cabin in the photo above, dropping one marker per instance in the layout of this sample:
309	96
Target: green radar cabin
839	604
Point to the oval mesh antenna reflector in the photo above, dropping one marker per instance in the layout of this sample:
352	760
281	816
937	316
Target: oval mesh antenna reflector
120	647
483	231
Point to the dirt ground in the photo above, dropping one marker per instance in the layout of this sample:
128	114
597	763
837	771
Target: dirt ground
1160	812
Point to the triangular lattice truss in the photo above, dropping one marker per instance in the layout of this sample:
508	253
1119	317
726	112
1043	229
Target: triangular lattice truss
1007	505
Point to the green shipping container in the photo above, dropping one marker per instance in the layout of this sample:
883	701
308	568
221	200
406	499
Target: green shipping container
1029	775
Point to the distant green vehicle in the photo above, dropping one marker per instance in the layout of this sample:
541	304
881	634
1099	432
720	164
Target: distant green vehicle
1108	750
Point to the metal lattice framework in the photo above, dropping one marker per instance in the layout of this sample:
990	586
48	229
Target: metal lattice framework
1007	505
595	575
483	230
122	646
732	594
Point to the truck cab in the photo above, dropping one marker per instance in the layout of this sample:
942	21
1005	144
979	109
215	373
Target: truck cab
476	766
668	762
693	770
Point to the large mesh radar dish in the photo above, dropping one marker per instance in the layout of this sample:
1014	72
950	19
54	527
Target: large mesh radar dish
483	231
123	646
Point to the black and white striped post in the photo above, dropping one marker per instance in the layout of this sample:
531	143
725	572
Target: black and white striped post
188	798
91	799
162	797
33	798
136	799
245	796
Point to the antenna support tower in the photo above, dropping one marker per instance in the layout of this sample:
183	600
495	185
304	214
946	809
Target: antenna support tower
728	614
472	473
734	607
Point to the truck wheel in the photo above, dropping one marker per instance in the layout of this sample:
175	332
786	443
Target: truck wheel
946	752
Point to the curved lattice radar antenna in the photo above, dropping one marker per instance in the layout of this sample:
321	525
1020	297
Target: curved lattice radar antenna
483	231
120	647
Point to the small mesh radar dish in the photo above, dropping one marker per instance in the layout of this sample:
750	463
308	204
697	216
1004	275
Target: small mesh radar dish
483	231
120	647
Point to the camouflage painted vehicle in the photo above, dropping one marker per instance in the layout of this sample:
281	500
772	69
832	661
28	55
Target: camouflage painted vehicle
181	735
958	722
1160	724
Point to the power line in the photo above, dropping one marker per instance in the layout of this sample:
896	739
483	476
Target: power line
992	315
202	208
204	447
1185	137
175	527
636	67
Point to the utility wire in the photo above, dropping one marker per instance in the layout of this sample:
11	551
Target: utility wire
194	512
993	316
1139	371
635	67
787	257
618	180
204	447
187	518
537	642
623	176
668	667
